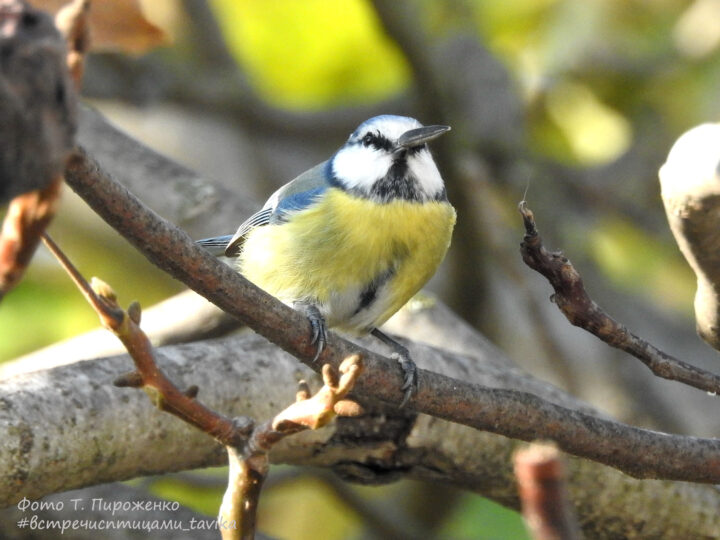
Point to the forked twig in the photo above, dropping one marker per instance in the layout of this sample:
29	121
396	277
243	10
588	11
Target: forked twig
575	303
247	444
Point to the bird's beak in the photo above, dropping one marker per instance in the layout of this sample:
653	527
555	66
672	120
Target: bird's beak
419	136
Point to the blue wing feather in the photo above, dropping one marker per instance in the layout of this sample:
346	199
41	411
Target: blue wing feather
215	245
295	203
293	196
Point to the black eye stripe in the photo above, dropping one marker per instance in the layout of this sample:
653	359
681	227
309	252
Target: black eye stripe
377	141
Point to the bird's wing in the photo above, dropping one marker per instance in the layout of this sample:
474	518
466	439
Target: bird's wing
215	245
293	196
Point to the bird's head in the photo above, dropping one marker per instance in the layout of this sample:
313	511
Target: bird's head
387	158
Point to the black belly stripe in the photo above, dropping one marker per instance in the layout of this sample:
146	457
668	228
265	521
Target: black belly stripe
369	294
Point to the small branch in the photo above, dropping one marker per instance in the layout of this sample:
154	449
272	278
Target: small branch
125	325
105	310
546	508
247	446
572	299
521	415
249	463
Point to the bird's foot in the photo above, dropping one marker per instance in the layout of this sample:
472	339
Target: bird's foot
317	326
410	380
409	369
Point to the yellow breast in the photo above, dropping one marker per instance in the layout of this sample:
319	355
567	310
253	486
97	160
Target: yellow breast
332	250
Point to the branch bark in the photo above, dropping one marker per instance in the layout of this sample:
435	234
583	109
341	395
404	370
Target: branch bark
521	415
69	427
575	303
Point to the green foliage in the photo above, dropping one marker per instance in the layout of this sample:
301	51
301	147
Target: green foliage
313	53
47	307
481	519
305	510
641	264
205	500
24	324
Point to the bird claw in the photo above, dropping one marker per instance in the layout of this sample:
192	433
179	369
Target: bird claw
410	378
317	326
409	369
319	335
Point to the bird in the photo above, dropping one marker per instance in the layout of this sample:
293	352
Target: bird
350	241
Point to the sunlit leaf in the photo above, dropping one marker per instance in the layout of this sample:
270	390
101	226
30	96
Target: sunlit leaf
639	263
314	52
596	133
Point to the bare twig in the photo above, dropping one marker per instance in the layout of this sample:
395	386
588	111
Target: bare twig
247	446
125	325
638	452
574	302
249	463
541	483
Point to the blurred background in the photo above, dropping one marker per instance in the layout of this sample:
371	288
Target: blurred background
571	104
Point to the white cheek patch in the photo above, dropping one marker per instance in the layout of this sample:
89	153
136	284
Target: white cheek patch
360	166
423	169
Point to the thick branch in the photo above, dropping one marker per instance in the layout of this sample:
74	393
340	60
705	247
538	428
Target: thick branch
638	452
86	419
574	302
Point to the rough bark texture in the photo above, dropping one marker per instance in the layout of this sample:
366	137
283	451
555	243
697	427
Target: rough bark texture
512	413
91	505
180	195
69	427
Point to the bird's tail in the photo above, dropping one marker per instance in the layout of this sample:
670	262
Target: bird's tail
215	245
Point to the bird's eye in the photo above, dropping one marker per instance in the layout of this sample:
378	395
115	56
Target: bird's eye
368	139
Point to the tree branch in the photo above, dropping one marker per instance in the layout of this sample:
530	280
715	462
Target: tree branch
86	418
638	452
574	302
247	444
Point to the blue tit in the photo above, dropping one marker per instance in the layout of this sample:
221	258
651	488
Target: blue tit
351	240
